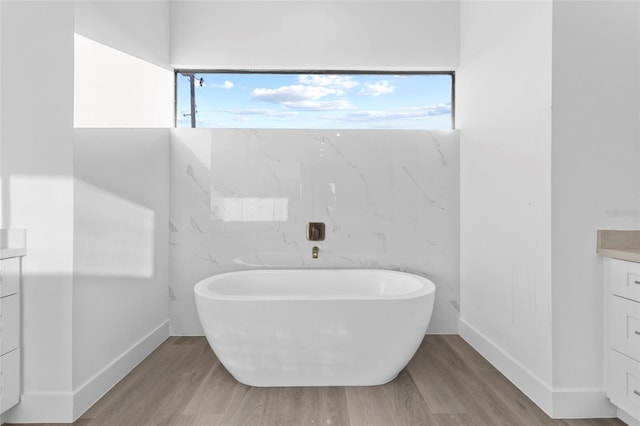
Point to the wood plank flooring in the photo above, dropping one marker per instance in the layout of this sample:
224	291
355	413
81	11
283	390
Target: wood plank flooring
446	383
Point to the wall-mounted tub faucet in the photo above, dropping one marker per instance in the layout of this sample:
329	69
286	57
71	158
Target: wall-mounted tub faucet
314	252
315	231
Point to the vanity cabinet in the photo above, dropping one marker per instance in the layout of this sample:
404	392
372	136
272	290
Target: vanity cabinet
622	336
9	332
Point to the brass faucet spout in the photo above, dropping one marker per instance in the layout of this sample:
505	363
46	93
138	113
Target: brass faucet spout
314	252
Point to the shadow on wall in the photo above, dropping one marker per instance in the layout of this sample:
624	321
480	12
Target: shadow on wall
109	235
113	236
92	282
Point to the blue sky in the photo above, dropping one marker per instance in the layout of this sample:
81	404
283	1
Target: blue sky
318	101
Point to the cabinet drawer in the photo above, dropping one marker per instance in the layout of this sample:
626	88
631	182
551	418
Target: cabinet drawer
9	276
625	326
9	380
625	383
9	323
625	279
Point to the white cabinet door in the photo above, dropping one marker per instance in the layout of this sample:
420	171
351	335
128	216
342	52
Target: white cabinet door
625	383
9	323
9	380
625	279
9	276
625	326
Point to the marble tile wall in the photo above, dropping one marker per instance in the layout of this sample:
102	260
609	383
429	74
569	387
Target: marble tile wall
241	199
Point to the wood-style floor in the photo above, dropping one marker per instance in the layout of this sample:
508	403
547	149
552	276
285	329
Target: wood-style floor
446	383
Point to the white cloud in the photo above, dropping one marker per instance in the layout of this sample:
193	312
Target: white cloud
301	97
310	105
438	109
341	82
255	111
282	114
291	93
382	87
409	113
261	111
226	85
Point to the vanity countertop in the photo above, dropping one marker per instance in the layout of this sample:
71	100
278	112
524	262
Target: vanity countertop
12	243
623	245
6	253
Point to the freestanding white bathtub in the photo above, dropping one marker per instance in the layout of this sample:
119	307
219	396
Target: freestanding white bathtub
339	327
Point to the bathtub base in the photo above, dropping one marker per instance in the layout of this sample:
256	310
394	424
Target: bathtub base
315	343
295	382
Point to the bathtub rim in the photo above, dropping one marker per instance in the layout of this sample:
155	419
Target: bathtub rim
201	288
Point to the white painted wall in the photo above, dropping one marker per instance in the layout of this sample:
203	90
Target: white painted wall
117	24
2	181
122	75
504	113
37	171
96	275
121	248
545	179
596	147
120	299
315	34
115	89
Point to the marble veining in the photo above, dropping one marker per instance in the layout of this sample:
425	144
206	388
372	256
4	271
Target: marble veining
443	158
421	189
241	198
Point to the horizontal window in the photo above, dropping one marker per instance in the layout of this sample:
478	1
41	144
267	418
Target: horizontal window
314	100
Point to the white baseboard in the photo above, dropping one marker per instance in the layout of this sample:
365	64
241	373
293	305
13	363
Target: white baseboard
67	407
557	403
93	389
535	389
42	407
582	404
627	418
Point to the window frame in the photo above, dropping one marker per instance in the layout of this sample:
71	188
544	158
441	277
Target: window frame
178	71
